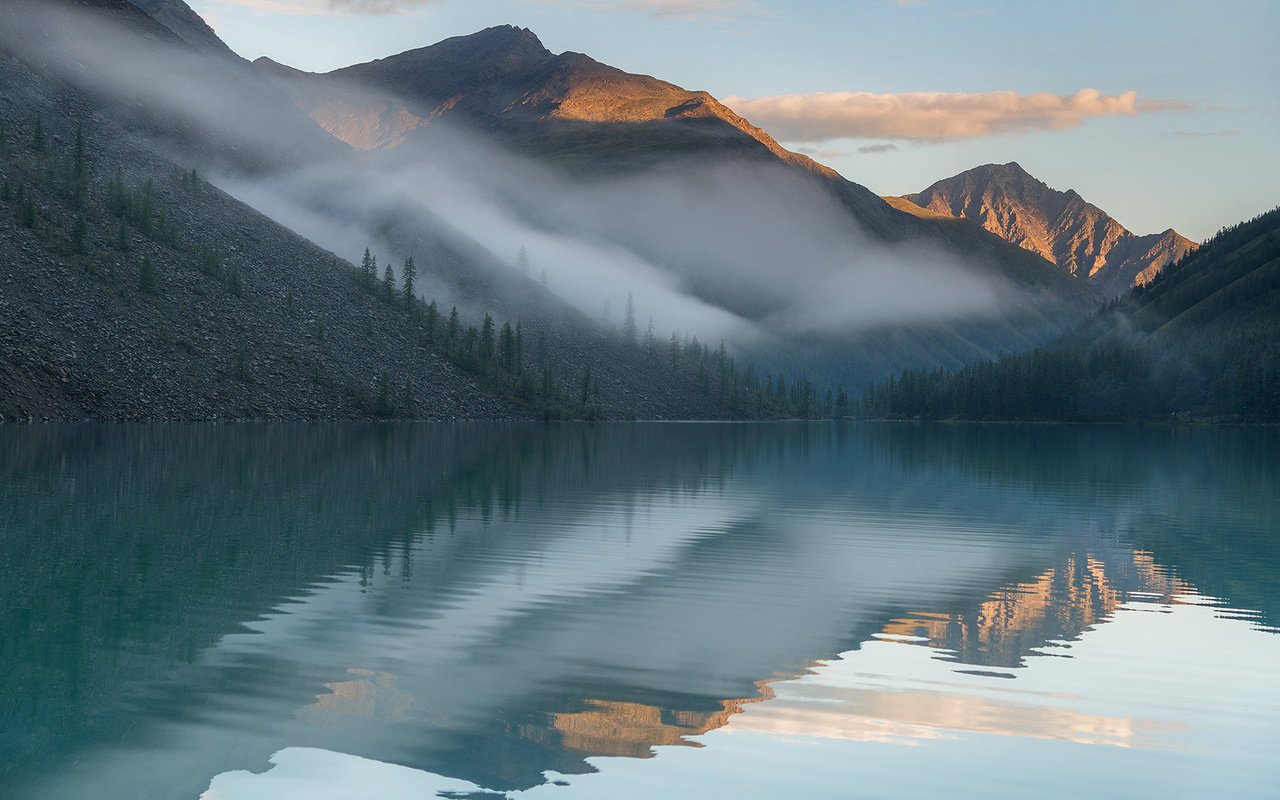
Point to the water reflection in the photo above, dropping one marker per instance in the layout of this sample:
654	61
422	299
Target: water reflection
493	603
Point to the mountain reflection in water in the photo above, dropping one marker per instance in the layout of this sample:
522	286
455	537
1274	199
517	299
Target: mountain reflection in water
501	606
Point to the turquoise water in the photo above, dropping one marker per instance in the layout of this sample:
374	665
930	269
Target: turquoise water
638	611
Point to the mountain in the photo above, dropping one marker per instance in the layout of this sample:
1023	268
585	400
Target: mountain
180	18
593	123
203	289
1201	339
1077	236
132	288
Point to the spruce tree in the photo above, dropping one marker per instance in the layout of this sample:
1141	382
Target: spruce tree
388	285
629	321
368	268
408	401
486	340
455	325
507	348
408	276
433	318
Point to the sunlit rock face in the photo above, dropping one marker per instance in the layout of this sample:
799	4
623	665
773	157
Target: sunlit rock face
1064	228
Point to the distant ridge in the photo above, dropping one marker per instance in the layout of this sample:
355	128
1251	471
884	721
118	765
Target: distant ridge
1064	228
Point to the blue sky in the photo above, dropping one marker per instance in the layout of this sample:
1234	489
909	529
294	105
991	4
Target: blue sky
898	93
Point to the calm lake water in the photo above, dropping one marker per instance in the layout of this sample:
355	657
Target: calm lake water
638	611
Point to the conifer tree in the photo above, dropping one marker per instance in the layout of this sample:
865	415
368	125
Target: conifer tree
455	325
522	261
408	401
629	321
388	284
433	318
408	275
368	268
507	348
486	340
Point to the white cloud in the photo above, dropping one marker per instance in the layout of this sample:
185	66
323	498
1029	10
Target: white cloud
934	116
666	9
316	7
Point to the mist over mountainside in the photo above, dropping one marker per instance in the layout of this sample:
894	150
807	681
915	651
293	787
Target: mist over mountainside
1077	236
134	289
1202	340
621	192
710	204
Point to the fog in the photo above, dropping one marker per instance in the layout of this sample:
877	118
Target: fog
738	251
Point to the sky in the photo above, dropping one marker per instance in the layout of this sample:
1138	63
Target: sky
1164	113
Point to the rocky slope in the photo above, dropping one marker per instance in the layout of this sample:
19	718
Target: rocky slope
1077	236
132	289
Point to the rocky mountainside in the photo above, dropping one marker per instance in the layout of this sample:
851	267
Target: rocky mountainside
1077	236
180	18
131	288
109	203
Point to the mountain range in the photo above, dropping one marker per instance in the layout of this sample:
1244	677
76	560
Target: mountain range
621	177
1068	231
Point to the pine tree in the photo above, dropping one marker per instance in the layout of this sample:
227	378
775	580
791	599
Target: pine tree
486	340
454	325
388	284
519	347
507	348
408	276
522	261
629	321
433	318
650	341
408	401
368	268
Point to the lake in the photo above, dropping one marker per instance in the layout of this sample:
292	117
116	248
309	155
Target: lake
244	612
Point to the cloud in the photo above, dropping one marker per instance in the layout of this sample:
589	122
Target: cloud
701	10
934	116
821	154
317	7
878	148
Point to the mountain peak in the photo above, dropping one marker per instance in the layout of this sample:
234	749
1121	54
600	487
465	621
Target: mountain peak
1064	228
180	18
